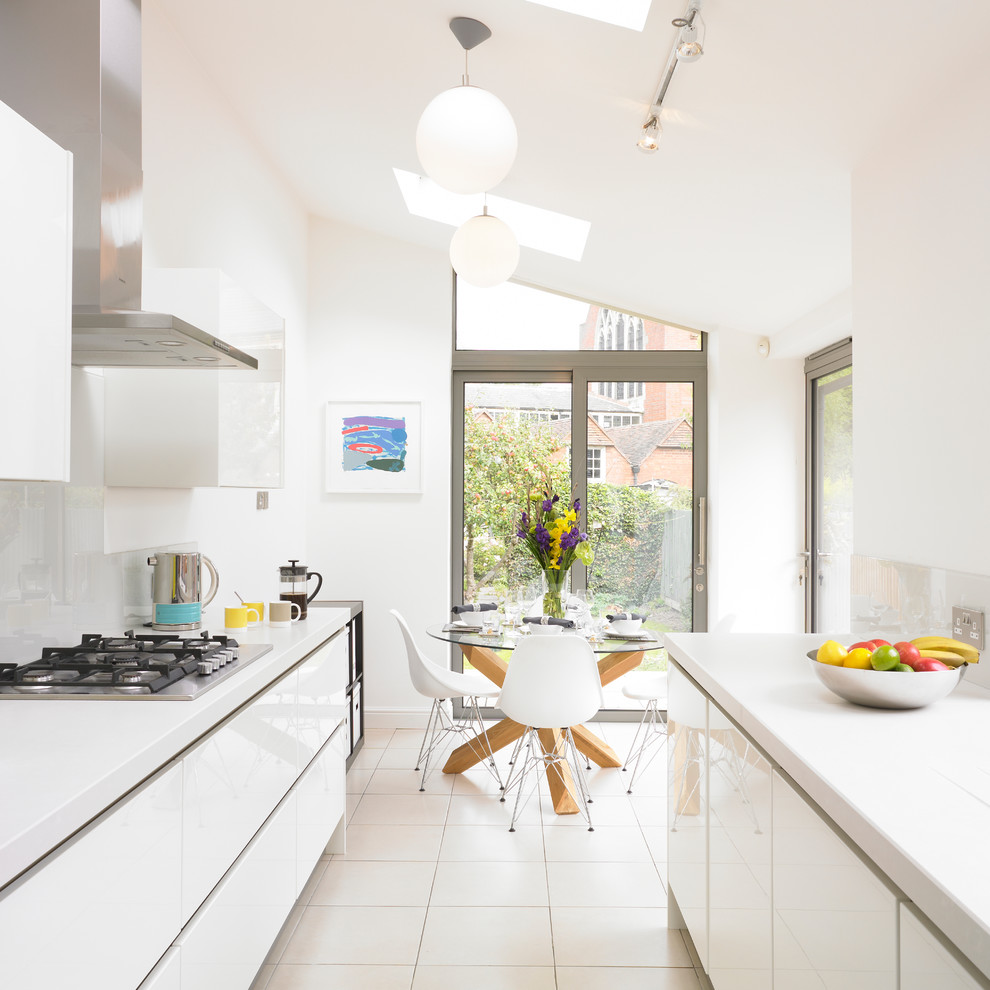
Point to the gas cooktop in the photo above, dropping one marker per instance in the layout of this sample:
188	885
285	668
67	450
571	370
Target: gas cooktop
144	666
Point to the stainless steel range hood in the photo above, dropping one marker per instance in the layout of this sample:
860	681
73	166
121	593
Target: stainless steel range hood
74	71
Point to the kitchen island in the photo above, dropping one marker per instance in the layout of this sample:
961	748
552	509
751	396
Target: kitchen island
910	790
151	812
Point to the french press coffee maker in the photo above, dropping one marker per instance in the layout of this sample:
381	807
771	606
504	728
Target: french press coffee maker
293	584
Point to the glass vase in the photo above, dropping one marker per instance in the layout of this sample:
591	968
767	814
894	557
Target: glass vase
553	604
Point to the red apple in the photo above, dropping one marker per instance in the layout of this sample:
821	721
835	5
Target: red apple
881	642
867	644
908	653
930	664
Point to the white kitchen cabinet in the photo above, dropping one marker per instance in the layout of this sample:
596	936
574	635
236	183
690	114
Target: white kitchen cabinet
166	975
320	797
35	302
834	919
740	924
927	959
322	694
180	428
226	942
233	780
97	914
687	805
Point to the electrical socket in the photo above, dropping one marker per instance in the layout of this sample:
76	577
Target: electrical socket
261	502
968	625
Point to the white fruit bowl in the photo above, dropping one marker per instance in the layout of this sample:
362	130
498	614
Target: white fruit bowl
887	688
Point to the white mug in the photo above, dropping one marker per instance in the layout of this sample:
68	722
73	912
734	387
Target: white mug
280	613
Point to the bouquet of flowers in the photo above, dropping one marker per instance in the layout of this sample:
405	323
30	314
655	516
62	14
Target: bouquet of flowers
550	532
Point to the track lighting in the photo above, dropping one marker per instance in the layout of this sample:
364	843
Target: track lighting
650	139
687	48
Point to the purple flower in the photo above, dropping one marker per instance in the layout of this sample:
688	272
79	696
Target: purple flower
547	503
577	505
570	539
525	519
542	536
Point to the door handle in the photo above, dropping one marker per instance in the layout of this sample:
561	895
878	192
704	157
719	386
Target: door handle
702	532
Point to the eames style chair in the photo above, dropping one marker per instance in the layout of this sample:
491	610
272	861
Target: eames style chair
440	684
552	683
651	735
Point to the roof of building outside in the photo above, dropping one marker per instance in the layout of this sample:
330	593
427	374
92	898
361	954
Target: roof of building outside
535	395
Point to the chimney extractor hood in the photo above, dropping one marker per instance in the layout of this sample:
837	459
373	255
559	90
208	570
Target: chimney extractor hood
74	71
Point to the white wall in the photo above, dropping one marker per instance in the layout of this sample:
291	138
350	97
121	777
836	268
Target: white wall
212	200
380	329
921	350
756	486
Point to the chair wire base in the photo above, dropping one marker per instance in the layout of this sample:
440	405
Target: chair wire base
441	726
650	738
549	762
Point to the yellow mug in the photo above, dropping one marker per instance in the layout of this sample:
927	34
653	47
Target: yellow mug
236	618
258	607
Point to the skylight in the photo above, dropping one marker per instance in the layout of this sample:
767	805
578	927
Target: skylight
624	13
544	230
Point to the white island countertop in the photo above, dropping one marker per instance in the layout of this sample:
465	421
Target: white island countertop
64	761
910	788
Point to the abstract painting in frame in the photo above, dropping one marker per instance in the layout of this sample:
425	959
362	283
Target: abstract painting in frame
374	447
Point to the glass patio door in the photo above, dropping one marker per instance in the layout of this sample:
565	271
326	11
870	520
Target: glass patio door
830	507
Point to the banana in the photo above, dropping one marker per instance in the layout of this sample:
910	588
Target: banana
947	657
969	653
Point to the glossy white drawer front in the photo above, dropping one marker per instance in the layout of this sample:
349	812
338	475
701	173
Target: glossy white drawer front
100	913
927	960
322	695
835	921
321	801
233	780
166	975
226	942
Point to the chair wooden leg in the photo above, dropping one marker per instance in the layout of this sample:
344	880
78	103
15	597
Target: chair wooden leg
475	750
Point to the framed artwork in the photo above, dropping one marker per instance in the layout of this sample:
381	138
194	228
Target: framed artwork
374	448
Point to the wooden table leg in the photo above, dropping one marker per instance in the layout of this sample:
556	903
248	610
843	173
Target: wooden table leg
594	747
559	779
475	751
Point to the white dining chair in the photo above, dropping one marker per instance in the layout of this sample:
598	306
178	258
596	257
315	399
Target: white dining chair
440	684
649	688
551	683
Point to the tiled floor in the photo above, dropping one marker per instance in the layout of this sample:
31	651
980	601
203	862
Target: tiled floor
435	892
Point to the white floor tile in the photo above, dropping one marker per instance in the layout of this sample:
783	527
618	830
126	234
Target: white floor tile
492	843
388	781
607	810
616	937
401	809
406	738
605	885
366	759
377	738
651	812
484	978
486	809
375	883
342	978
606	844
393	842
487	936
357	779
260	982
402	759
656	840
490	884
347	935
353	800
477	781
627	977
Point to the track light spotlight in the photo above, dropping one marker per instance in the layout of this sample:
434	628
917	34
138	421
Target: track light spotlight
649	140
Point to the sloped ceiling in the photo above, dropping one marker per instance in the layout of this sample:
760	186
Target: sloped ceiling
740	220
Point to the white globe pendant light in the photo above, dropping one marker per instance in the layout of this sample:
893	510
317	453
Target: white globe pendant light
466	140
484	251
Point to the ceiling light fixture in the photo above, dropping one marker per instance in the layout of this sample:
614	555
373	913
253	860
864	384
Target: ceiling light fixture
687	48
466	139
484	251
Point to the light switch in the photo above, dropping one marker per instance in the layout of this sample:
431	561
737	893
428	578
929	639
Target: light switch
967	625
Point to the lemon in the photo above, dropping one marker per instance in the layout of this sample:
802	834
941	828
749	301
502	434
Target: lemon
858	658
831	652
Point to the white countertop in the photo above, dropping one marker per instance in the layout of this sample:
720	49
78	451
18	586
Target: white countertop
910	788
63	762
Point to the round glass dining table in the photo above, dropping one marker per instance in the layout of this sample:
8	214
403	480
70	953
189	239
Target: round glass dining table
480	649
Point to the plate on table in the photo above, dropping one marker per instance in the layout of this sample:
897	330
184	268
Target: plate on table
886	688
638	636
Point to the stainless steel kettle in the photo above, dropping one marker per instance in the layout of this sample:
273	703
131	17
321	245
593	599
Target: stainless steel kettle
177	589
